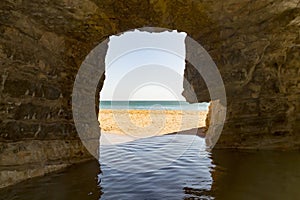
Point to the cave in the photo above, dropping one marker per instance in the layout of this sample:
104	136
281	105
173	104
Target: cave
255	45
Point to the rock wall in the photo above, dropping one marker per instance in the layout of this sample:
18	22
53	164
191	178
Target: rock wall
257	52
254	43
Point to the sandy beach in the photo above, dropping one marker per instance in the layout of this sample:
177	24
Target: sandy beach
147	123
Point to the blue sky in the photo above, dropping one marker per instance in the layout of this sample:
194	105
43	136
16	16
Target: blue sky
145	66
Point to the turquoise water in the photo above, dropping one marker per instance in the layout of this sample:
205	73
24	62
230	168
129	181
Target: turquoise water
153	105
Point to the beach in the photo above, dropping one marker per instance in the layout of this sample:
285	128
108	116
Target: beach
147	123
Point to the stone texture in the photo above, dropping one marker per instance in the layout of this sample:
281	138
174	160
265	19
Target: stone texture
256	53
26	159
255	44
10	177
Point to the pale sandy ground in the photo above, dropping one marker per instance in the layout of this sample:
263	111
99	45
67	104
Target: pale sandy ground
118	126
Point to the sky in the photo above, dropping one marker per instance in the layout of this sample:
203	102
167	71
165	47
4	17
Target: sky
144	66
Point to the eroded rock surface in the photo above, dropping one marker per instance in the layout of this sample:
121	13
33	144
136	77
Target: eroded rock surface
255	44
257	52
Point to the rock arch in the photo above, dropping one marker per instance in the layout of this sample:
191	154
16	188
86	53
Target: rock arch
255	44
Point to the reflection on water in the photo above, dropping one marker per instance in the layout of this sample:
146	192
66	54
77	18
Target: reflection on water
151	154
164	167
76	182
227	175
256	175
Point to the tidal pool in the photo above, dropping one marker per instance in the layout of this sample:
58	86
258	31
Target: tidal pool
193	174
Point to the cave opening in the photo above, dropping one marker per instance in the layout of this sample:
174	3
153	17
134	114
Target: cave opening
142	93
146	122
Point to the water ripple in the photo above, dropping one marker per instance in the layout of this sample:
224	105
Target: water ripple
170	166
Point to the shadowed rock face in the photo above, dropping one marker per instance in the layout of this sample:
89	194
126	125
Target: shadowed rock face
257	52
255	44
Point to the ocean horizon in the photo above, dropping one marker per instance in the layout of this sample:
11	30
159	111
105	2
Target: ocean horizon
152	105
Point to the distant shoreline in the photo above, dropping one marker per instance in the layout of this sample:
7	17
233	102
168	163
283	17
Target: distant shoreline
153	105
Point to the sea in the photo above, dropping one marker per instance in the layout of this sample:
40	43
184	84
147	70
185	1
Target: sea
153	105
